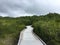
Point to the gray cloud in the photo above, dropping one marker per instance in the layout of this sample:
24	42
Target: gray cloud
15	8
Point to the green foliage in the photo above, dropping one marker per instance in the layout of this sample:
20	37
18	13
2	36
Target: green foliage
9	31
48	28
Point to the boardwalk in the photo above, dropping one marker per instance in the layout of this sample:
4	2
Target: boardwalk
28	38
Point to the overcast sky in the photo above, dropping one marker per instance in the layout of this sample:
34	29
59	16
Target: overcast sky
15	8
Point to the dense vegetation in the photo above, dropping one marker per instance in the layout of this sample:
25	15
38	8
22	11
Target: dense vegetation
47	27
10	29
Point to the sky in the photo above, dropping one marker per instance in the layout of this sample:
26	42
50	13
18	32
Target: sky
16	8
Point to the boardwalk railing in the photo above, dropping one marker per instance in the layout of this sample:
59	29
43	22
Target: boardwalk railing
39	38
